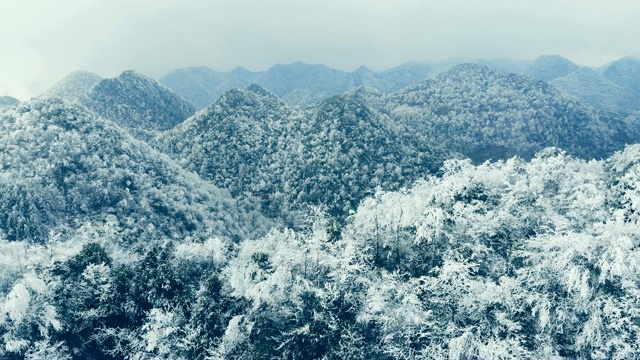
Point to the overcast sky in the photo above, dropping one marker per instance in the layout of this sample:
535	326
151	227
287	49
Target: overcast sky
43	40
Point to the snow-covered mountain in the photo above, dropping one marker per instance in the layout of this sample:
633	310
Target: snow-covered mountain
135	101
336	153
406	74
333	154
549	67
63	166
593	88
304	84
201	86
486	114
73	86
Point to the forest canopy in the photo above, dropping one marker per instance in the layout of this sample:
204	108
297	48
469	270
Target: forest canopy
504	260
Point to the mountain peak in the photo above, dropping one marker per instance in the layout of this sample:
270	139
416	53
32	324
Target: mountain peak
132	74
363	69
552	58
240	70
468	69
252	101
138	102
594	88
363	93
75	85
550	67
259	90
629	59
627	62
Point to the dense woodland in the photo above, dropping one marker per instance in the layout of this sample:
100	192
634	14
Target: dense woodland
478	214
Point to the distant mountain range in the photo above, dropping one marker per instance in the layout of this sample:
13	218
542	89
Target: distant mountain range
614	86
301	84
335	151
297	83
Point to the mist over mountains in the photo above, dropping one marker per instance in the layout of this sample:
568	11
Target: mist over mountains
460	209
8	100
253	143
304	84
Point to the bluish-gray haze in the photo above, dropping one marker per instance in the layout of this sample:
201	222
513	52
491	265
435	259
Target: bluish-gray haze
45	40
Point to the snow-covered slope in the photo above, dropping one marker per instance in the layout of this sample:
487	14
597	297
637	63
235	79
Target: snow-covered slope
73	86
135	101
333	154
63	166
337	152
486	114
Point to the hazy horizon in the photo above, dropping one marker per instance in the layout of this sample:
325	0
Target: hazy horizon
49	40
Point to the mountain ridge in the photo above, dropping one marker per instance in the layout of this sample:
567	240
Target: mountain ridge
72	167
475	101
295	154
135	101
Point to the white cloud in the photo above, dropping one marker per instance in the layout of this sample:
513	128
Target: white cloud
50	39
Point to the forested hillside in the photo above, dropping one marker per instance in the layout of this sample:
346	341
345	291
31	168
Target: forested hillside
624	72
550	67
334	154
133	101
477	214
485	114
505	260
62	167
137	102
593	88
